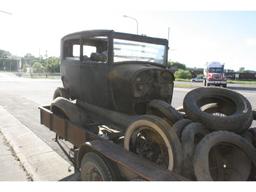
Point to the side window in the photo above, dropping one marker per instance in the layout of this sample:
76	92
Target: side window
76	51
71	49
95	49
88	50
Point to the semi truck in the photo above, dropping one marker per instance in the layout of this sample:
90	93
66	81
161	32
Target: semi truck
214	74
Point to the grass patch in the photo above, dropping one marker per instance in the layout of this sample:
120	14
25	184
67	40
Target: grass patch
251	82
187	85
183	80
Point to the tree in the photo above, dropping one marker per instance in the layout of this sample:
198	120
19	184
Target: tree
29	59
29	56
177	65
183	74
38	67
4	54
52	65
241	69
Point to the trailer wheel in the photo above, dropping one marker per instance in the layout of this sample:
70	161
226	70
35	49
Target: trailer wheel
164	110
61	92
152	138
223	156
237	116
95	167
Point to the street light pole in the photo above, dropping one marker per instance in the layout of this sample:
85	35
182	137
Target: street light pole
137	23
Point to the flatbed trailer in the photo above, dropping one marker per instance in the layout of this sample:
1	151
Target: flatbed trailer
128	166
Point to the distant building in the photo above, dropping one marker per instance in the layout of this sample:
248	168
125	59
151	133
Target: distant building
10	64
248	75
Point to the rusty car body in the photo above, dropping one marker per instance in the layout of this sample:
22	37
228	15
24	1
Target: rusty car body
116	71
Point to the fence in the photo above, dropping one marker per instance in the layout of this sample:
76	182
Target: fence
241	76
39	75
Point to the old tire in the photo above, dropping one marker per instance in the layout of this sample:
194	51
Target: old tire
160	144
253	133
61	92
191	136
180	125
254	114
239	158
238	115
164	110
95	167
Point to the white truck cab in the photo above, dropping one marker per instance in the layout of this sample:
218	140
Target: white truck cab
214	74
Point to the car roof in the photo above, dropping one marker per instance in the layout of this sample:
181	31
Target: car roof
119	35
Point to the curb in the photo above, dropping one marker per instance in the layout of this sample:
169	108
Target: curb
39	160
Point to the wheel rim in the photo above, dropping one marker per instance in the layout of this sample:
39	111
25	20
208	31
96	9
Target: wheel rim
91	173
148	143
228	163
160	140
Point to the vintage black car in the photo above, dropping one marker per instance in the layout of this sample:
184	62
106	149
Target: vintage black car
117	71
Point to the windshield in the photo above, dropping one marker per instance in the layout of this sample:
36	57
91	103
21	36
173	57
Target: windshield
216	70
126	50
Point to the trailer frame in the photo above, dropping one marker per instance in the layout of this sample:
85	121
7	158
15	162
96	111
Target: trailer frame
130	165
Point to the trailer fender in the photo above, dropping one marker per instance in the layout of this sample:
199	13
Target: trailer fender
69	109
84	148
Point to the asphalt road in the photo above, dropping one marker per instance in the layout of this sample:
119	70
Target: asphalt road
249	91
21	97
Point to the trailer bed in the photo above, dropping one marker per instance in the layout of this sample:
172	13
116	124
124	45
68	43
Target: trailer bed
127	162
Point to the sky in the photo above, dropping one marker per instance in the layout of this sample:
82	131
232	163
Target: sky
199	32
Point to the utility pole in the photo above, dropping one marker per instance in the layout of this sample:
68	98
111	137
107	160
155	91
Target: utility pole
168	35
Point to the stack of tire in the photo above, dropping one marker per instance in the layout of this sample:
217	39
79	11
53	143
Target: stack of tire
209	139
217	141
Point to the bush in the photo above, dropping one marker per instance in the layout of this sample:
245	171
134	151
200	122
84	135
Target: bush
53	65
38	67
177	65
183	74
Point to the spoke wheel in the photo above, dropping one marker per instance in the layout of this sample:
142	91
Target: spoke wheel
148	144
154	139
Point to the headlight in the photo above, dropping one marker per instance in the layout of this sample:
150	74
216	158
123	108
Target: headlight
165	76
142	84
